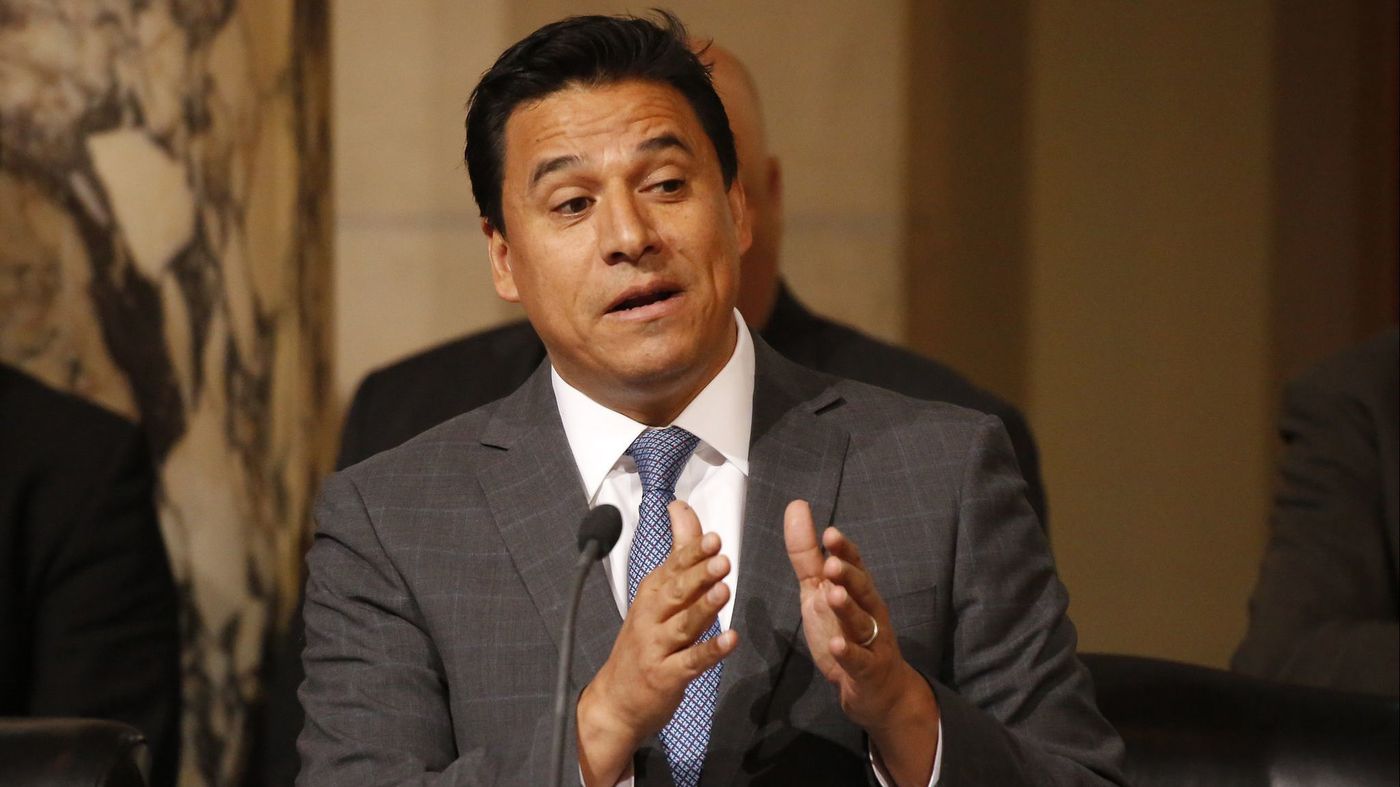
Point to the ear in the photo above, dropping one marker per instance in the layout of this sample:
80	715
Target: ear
738	208
498	249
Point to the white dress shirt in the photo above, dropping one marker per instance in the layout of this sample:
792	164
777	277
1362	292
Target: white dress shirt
713	482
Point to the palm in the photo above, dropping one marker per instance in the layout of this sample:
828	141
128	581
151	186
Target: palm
819	626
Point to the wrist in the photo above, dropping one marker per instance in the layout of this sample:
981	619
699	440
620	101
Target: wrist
912	707
605	742
904	742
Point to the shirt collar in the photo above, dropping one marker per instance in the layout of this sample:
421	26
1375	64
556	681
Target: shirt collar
721	415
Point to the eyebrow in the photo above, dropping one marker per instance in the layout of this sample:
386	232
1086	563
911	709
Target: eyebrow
663	142
553	165
550	166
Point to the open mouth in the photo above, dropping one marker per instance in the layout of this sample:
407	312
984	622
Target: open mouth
636	299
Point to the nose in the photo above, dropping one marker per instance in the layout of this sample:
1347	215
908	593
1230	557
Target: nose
625	233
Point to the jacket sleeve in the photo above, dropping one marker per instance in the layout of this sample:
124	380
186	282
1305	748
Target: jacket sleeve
1028	458
1017	707
375	692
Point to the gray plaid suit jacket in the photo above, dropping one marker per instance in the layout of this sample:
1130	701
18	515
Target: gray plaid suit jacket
440	573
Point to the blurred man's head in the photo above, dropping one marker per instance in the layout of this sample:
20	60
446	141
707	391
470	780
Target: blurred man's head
603	164
762	178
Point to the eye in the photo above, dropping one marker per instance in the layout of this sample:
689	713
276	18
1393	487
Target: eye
670	186
573	207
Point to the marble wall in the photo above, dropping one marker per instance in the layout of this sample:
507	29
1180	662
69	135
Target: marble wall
164	215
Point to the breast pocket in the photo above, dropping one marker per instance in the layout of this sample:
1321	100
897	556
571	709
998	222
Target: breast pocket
919	622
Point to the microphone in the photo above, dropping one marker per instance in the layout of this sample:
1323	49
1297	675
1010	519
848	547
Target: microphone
597	535
601	529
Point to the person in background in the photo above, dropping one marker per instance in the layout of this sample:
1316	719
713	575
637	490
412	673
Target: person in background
1326	609
88	623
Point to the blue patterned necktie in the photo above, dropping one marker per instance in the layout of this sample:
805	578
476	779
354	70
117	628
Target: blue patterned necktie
660	455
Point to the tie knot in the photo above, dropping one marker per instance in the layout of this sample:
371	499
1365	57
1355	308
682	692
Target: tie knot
660	454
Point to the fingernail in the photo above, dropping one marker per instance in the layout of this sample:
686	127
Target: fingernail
716	566
717	593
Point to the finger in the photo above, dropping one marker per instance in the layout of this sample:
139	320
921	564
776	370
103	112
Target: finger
857	624
688	624
672	588
801	537
685	555
837	544
685	524
701	656
850	574
858	662
823	621
856	580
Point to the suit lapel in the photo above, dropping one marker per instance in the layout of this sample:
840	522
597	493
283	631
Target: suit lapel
792	455
537	501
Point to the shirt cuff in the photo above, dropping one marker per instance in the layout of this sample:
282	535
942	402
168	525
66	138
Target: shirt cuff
884	778
630	779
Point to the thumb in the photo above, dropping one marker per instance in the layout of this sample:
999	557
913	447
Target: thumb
801	536
685	525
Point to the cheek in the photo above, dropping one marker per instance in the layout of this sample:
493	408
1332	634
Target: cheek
543	271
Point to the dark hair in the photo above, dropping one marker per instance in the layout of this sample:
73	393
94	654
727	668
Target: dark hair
589	51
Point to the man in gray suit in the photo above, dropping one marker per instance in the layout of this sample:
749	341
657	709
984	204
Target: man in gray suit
749	649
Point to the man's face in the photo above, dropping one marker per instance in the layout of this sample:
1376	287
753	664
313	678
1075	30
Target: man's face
623	243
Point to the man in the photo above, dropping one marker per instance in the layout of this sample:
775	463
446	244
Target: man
408	397
87	602
726	641
401	400
1326	610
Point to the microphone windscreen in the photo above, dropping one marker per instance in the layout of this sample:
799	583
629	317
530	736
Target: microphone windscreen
604	525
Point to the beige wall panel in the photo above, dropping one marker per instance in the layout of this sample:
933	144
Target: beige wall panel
967	165
410	286
1149	346
832	79
411	264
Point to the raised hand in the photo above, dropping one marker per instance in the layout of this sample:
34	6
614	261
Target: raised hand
655	654
852	640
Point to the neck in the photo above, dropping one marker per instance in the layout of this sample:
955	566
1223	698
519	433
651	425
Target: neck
655	413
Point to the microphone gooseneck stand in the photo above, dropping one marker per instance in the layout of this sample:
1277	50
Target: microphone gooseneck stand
596	536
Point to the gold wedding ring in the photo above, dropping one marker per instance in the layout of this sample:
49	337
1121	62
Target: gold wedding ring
871	639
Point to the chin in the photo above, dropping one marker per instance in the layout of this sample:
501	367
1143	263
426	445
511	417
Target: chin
661	367
654	373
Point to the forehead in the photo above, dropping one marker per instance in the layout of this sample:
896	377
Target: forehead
598	122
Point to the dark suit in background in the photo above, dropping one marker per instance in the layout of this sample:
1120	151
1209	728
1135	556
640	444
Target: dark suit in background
87	603
401	400
1326	611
